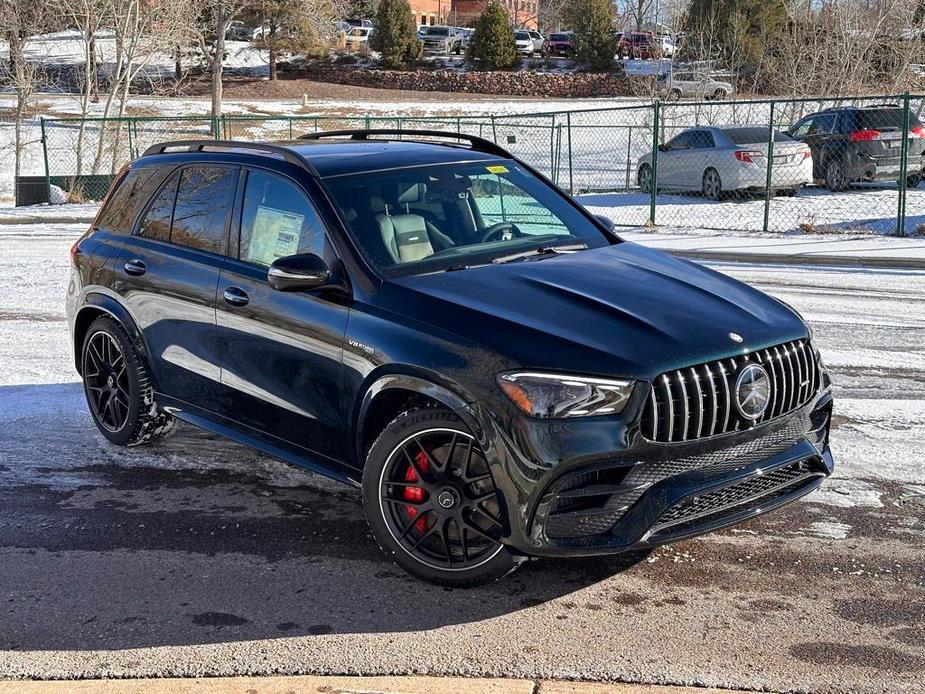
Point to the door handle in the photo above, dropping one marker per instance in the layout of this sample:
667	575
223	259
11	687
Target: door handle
135	267
236	296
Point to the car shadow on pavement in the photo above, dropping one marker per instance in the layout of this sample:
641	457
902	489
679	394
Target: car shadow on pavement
199	540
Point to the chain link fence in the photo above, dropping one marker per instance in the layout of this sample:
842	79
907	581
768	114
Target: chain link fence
811	165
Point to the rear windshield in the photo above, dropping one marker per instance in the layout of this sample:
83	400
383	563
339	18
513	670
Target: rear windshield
750	136
559	37
879	119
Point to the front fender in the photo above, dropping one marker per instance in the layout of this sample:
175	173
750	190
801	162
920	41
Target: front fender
419	384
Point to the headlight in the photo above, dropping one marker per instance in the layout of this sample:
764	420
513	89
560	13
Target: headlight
553	396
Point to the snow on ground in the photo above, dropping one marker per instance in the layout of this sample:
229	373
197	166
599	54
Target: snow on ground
877	364
68	48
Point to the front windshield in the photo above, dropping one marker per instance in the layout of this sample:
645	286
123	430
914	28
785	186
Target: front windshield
437	31
447	217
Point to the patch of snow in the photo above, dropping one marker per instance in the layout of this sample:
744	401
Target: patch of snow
832	530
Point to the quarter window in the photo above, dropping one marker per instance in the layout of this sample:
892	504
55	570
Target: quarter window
126	201
278	220
203	203
156	224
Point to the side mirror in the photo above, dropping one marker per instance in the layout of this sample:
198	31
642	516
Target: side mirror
607	222
296	273
663	148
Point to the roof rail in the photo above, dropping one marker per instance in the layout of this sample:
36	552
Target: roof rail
202	145
479	144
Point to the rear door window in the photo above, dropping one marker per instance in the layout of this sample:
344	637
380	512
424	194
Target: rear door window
278	220
127	200
701	139
204	201
753	136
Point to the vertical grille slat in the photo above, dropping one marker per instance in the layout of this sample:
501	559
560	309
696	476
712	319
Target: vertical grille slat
715	401
685	418
698	401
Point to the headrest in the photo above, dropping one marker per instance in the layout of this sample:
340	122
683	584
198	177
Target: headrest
409	194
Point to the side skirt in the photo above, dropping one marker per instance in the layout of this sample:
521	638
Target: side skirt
258	440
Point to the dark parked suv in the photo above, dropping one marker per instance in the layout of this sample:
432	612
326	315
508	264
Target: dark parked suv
853	144
440	325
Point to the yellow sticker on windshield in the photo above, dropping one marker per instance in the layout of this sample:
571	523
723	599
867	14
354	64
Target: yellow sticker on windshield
497	169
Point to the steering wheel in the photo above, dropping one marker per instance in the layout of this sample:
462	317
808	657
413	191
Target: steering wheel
499	229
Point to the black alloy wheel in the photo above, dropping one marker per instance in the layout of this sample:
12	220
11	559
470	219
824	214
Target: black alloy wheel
439	501
118	387
431	501
106	377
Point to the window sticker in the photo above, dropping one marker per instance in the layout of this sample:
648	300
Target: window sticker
275	235
497	169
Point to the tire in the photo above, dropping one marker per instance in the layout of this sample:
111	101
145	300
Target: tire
674	95
913	181
719	95
421	485
712	185
118	387
644	178
835	178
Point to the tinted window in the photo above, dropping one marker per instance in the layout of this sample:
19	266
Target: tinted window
126	201
156	224
522	36
748	136
879	119
277	221
682	141
203	203
701	139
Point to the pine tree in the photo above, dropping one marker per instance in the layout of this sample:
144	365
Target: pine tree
396	34
593	39
362	9
737	31
493	46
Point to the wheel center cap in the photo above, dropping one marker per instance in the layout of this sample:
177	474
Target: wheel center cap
447	499
111	381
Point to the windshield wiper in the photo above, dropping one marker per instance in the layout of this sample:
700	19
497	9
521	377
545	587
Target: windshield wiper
542	251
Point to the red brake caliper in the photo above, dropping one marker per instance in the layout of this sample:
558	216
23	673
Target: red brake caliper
416	494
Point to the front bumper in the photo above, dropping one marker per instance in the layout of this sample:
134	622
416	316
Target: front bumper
620	492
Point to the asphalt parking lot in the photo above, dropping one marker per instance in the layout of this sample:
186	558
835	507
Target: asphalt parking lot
196	556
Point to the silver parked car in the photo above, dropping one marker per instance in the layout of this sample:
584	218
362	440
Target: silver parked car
718	160
674	85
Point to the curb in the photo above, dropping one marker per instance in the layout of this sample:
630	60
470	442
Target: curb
41	219
882	263
335	685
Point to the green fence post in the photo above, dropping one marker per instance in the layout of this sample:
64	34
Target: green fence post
45	155
653	192
903	170
629	154
770	167
571	169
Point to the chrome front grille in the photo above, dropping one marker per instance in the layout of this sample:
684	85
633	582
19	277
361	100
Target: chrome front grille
698	401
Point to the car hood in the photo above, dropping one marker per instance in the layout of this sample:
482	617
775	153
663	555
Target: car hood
623	310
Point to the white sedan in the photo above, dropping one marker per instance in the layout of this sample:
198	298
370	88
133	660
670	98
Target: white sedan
723	159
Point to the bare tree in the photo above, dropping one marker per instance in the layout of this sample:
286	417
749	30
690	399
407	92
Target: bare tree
216	17
19	20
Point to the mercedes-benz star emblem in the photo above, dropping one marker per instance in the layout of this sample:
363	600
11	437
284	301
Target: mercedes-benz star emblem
735	337
752	391
446	499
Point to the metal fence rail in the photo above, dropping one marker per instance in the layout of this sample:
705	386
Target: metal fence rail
664	163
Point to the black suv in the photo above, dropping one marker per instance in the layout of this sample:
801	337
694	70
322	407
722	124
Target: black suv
852	144
439	324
